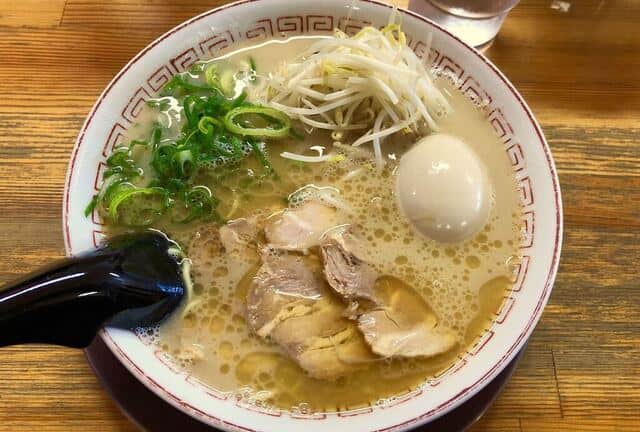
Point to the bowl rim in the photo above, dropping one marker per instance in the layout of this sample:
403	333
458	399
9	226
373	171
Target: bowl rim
423	417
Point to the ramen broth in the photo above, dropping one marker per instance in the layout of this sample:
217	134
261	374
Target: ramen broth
463	283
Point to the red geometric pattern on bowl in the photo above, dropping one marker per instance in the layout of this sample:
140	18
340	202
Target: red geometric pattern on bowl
472	89
95	218
449	67
353	413
159	78
98	236
419	47
319	23
351	25
269	411
314	416
263	30
116	137
528	227
164	358
133	108
102	167
185	59
286	26
451	370
481	342
516	156
290	24
526	193
521	272
501	125
507	306
459	365
397	400
216	43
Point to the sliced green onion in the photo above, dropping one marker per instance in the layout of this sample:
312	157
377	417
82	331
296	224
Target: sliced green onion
239	100
180	82
197	68
119	157
156	135
257	151
191	105
159	103
91	206
211	76
227	82
223	81
175	185
184	162
206	123
162	158
198	203
108	188
135	143
201	202
282	122
217	133
253	77
137	206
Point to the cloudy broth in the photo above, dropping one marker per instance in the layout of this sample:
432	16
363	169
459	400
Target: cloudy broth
463	283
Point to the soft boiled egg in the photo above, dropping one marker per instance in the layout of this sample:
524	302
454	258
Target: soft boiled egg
443	188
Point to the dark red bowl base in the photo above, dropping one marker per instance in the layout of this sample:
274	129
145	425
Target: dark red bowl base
151	413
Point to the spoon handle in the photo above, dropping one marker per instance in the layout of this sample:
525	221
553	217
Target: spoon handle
67	302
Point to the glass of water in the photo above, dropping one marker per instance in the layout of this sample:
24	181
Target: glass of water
476	22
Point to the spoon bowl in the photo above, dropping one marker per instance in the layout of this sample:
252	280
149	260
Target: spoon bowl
131	280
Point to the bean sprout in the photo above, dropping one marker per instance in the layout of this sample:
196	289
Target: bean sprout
371	82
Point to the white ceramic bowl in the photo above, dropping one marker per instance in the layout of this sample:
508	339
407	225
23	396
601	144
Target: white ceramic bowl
221	29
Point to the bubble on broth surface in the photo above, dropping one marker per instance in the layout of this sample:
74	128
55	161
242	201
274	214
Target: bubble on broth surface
148	335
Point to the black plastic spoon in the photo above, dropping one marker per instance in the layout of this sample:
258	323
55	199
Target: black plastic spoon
133	280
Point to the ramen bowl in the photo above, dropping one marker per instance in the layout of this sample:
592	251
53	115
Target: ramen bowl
252	21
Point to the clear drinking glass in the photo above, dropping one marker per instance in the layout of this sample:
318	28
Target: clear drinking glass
476	22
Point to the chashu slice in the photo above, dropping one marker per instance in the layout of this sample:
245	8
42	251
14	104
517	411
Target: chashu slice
300	228
345	267
405	325
390	334
395	320
285	286
345	351
289	302
241	236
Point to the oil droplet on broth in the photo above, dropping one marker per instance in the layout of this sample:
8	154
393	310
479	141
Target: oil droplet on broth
225	350
472	261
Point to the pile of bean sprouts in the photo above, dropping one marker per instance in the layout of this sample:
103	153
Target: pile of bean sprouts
370	85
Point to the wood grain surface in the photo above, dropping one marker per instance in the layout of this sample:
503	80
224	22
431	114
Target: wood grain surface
580	73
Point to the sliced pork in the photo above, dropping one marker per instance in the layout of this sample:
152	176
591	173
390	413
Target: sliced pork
285	286
404	325
238	234
390	334
345	268
300	228
395	322
289	302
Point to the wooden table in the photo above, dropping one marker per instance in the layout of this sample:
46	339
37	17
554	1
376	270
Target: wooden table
580	73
